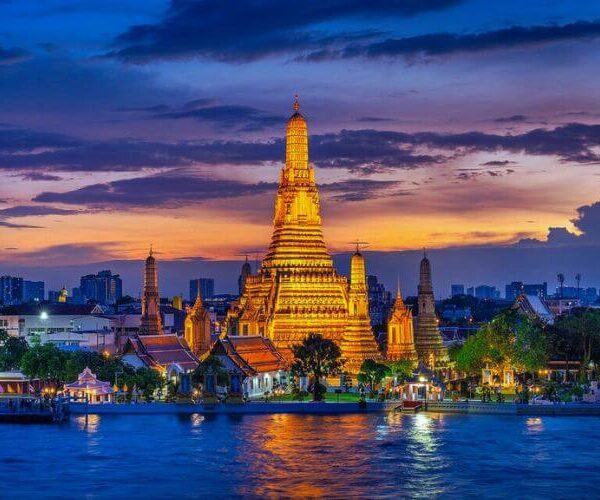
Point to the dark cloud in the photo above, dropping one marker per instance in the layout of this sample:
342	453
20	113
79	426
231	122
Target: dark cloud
422	47
497	163
39	176
12	225
229	30
33	211
512	119
13	56
362	189
72	253
170	190
363	151
587	222
373	119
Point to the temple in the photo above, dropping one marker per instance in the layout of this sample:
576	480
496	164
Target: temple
151	323
297	290
197	327
428	339
400	332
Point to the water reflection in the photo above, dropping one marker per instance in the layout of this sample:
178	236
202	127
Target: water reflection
534	425
87	423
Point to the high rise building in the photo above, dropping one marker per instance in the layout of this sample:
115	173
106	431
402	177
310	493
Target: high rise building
487	292
33	291
104	288
151	323
513	290
428	339
400	332
380	302
203	286
456	290
297	290
11	290
540	289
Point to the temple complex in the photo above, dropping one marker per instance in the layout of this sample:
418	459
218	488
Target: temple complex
197	327
151	323
400	332
428	339
297	290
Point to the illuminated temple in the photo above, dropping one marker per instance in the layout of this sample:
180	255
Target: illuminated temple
296	290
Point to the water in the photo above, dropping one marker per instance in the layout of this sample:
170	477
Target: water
166	456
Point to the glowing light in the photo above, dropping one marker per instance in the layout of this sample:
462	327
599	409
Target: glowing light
44	315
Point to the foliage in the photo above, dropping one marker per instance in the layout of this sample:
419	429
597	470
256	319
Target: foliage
317	357
509	340
577	336
401	369
372	373
210	365
12	350
45	362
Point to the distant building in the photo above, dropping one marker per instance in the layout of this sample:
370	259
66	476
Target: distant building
11	290
590	295
487	292
380	301
206	286
104	288
58	296
246	271
471	291
454	314
456	290
568	292
516	288
33	291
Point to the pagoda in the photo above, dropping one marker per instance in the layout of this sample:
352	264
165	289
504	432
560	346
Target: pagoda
400	332
151	323
197	327
428	339
296	290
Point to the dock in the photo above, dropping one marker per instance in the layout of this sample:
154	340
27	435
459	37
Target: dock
32	410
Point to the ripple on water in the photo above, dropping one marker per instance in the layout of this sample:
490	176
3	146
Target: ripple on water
347	456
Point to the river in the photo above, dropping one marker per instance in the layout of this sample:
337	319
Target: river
368	455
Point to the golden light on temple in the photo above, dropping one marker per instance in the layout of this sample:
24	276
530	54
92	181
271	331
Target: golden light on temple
297	290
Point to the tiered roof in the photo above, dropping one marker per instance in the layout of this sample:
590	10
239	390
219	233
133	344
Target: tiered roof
160	351
251	354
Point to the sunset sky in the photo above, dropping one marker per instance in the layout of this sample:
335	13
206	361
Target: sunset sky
441	123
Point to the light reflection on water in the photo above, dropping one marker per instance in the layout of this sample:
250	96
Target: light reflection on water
418	455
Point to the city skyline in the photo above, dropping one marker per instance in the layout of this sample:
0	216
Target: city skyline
117	137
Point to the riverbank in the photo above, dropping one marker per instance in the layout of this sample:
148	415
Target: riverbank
253	408
535	410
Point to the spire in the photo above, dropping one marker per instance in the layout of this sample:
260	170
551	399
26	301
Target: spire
150	250
296	103
398	291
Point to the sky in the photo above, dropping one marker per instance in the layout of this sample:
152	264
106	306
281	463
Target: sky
471	128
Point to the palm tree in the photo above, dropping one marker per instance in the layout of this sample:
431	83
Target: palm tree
578	280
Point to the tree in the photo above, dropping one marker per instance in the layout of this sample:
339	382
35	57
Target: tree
45	362
510	340
317	357
212	365
401	370
577	334
12	350
372	373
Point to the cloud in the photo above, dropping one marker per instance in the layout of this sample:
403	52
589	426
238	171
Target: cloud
29	211
228	30
587	222
423	47
497	163
39	176
167	190
68	253
362	151
362	189
512	119
13	56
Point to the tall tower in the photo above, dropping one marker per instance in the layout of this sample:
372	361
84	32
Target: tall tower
246	271
197	327
358	343
428	340
400	332
297	290
151	323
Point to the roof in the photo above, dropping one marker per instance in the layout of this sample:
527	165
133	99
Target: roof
160	351
87	380
58	309
251	354
535	306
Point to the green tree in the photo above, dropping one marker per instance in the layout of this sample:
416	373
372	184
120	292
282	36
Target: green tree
316	357
12	350
212	365
372	373
46	362
401	369
577	334
509	340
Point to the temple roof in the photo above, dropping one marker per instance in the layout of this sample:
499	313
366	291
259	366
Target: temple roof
251	354
160	351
